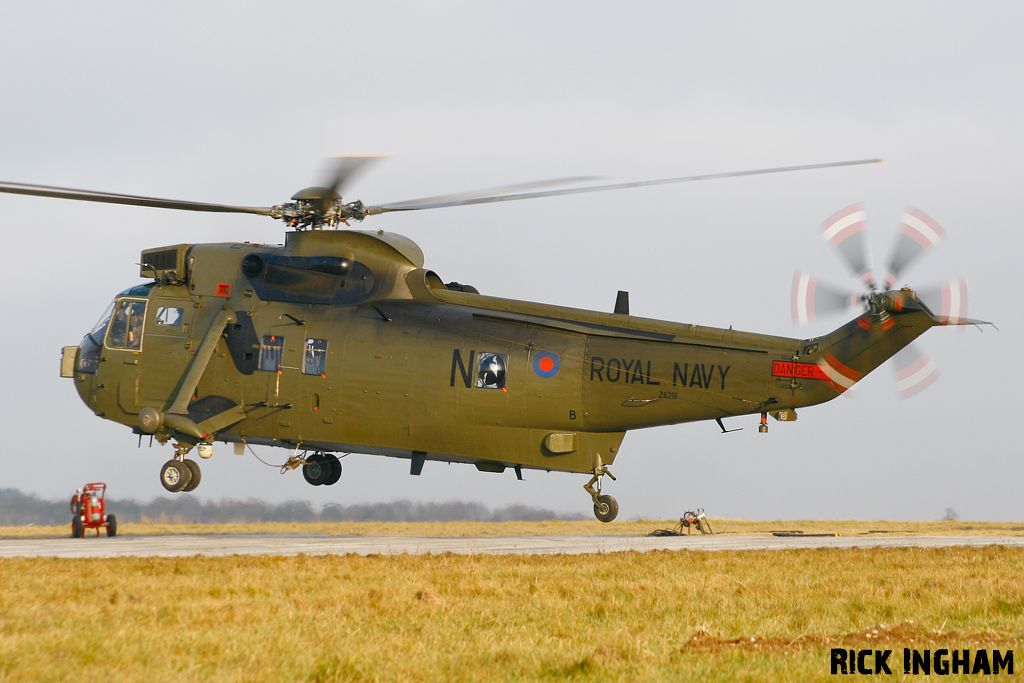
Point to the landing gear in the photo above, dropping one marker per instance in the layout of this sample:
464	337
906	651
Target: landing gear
180	474
335	465
175	475
322	469
195	476
606	508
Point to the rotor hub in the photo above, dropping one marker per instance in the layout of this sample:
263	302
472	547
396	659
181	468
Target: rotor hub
315	209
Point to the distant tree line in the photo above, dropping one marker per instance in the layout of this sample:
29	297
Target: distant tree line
20	509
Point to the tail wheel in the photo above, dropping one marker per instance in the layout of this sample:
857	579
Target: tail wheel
175	475
111	525
606	508
77	528
195	475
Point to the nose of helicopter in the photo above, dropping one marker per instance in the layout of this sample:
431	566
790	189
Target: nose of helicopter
84	382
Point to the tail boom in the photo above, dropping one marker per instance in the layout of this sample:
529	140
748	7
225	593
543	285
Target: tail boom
848	354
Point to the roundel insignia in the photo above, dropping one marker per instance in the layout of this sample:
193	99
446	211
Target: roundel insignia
546	364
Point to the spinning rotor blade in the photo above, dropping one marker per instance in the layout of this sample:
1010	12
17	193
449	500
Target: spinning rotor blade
845	231
321	206
913	371
347	167
918	234
131	200
947	301
811	298
518	187
443	202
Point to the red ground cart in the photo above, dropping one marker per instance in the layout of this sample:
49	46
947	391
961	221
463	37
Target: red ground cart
90	511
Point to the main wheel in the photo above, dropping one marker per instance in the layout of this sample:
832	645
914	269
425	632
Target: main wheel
195	474
77	528
316	470
334	467
175	476
111	525
606	508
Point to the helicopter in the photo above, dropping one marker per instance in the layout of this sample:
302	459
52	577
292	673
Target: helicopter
341	341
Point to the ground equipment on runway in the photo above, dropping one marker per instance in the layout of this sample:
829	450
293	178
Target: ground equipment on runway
89	508
689	521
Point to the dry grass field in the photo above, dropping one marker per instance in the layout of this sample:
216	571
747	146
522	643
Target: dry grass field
657	616
733	527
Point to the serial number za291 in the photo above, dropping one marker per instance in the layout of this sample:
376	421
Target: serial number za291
668	394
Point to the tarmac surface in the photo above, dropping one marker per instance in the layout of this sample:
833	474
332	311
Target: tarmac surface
310	544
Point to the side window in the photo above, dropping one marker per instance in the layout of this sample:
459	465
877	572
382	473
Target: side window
169	317
126	325
314	360
271	351
490	370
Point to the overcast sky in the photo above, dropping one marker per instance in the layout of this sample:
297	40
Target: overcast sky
240	103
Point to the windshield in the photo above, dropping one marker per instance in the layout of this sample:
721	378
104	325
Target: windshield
89	349
92	343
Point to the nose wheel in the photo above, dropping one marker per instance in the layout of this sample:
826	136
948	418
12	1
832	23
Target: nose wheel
606	508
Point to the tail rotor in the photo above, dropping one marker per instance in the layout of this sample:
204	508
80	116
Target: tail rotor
919	234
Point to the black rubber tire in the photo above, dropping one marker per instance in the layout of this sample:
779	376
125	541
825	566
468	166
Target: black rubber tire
606	508
111	525
334	465
195	475
316	470
175	475
77	528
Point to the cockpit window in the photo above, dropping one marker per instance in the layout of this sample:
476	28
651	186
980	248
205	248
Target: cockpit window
138	290
126	325
271	352
92	343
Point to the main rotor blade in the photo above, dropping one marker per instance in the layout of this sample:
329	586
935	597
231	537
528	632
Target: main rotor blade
919	233
347	167
844	230
490	191
129	199
413	206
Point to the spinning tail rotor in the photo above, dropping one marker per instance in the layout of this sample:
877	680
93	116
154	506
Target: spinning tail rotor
919	233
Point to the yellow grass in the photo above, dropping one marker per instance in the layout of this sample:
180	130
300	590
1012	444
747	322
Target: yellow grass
615	617
732	527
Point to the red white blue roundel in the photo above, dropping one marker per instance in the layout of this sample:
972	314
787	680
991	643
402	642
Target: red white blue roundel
546	364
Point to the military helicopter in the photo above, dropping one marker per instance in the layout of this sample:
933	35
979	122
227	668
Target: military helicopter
342	341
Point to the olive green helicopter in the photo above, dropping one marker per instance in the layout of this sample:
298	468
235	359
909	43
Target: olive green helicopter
341	341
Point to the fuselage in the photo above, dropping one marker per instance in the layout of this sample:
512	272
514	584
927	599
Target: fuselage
342	341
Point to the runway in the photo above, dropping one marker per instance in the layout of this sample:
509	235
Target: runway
310	544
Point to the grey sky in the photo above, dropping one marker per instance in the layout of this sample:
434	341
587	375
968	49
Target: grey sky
240	102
